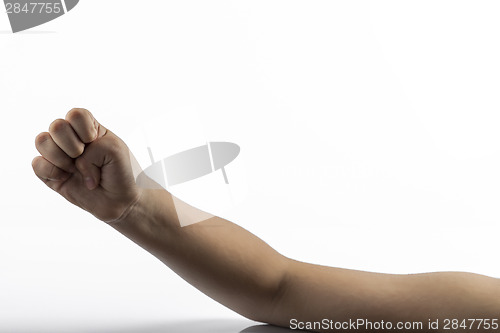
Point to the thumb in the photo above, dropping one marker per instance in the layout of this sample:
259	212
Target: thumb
105	150
89	165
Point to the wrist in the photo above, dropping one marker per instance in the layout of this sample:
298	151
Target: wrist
128	213
149	221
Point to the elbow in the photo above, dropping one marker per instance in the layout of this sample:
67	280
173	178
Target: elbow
270	307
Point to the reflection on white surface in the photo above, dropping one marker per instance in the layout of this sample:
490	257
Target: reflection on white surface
184	326
268	329
187	326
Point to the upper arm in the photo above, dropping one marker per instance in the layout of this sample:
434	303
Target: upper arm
311	293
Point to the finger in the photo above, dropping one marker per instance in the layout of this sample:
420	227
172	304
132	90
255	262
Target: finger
47	171
51	152
65	137
85	125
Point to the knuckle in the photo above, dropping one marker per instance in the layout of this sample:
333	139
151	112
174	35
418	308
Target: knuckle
57	125
76	114
83	123
41	138
35	163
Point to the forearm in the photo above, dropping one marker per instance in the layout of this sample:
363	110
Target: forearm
221	259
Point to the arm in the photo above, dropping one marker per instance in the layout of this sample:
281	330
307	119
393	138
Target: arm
237	269
91	167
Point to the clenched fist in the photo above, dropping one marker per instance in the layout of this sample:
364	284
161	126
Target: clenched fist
88	165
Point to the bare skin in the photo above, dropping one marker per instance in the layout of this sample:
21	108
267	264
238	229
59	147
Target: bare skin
91	167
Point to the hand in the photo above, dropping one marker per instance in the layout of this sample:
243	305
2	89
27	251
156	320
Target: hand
88	165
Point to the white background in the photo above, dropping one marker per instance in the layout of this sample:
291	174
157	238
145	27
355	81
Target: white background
369	134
